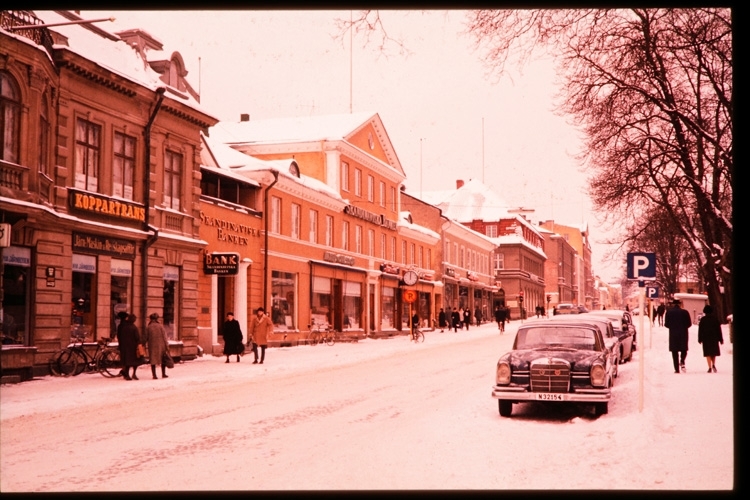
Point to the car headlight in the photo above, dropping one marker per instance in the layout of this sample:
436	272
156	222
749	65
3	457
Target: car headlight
502	375
598	375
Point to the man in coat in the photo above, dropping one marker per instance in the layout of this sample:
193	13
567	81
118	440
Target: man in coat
467	318
442	320
455	319
232	334
500	318
678	321
158	345
258	330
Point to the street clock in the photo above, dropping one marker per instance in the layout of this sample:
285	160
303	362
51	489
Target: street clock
410	278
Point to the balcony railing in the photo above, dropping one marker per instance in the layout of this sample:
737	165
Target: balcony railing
14	176
13	18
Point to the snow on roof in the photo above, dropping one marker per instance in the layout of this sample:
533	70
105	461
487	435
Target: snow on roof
114	55
472	201
404	221
293	129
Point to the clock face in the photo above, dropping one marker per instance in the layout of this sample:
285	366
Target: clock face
410	278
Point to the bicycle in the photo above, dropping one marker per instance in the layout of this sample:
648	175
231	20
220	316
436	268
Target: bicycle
75	359
416	335
321	333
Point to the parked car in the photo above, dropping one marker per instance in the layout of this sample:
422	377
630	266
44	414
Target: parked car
565	308
624	329
555	361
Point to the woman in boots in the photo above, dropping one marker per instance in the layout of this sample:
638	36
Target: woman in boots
128	339
156	338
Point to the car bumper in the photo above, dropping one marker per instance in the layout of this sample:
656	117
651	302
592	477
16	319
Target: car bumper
579	396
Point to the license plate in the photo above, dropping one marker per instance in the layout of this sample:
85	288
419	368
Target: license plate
547	396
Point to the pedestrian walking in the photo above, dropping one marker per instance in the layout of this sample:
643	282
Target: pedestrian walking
128	339
678	321
232	334
660	313
158	345
260	327
710	336
467	318
500	318
478	316
442	320
455	320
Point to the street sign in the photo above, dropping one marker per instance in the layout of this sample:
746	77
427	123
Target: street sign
641	266
410	296
652	292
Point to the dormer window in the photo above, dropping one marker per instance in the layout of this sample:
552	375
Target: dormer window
294	169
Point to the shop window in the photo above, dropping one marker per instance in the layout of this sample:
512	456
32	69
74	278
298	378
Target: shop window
283	286
321	307
83	306
388	308
15	293
121	273
170	294
352	309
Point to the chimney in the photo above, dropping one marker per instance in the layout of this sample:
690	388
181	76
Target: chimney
459	184
245	117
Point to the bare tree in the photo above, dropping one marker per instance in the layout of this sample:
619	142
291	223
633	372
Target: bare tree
369	25
652	90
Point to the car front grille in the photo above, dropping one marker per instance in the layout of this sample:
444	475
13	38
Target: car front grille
550	376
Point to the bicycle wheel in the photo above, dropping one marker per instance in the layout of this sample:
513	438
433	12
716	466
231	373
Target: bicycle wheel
314	338
64	363
109	363
330	338
82	360
420	337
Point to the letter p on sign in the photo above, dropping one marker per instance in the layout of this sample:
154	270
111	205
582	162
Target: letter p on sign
641	266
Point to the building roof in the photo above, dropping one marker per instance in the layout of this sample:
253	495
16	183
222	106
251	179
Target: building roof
472	201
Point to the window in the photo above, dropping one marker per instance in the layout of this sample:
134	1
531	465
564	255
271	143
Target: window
499	261
455	254
420	259
371	242
412	260
329	230
491	231
358	239
283	286
44	137
357	182
383	246
275	215
345	235
10	118
462	257
344	176
403	252
172	179
382	194
296	215
123	166
393	199
370	188
429	258
313	226
88	144
447	252
393	248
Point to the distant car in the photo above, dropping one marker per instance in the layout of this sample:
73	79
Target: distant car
555	361
624	329
565	308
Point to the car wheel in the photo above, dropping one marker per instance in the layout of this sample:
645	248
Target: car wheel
622	358
505	407
601	408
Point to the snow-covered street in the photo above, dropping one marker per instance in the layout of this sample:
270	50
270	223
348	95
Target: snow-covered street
378	414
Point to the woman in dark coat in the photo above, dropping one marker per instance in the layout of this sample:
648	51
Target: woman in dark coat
709	334
128	339
232	337
442	320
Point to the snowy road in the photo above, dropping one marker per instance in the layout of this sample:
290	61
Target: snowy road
378	414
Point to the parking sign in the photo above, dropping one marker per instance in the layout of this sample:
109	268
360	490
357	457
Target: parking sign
652	292
641	266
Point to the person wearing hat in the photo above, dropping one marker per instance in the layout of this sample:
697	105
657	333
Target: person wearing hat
678	321
128	339
710	336
158	345
258	330
232	334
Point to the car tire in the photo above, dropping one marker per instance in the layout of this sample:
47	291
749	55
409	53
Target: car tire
504	407
622	359
601	408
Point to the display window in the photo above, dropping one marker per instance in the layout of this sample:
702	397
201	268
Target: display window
83	304
283	295
388	308
121	275
171	290
14	311
352	307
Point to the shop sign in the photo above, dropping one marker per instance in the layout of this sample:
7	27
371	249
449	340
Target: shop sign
104	245
94	203
363	214
231	232
4	235
171	273
221	263
389	269
17	256
338	258
450	272
472	276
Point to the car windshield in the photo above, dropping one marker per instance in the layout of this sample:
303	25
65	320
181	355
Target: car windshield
544	337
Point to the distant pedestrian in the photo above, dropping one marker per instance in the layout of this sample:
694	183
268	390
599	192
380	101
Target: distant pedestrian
660	313
709	334
232	334
158	345
455	319
500	318
442	320
467	318
128	339
260	327
414	324
678	321
478	316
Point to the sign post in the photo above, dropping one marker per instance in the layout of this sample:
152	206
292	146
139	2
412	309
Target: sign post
641	266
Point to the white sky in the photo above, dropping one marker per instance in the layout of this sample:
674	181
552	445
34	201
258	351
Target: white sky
239	426
444	117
